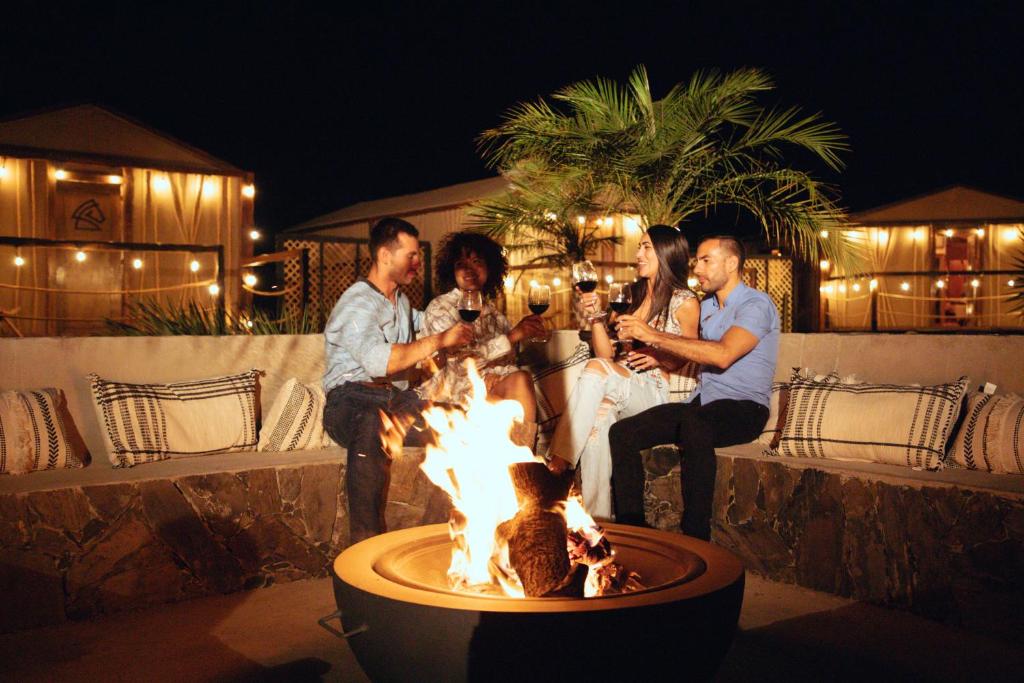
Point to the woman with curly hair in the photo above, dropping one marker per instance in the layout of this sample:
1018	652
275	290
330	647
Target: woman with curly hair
611	388
471	261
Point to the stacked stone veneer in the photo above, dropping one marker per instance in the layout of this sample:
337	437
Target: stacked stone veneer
947	552
76	552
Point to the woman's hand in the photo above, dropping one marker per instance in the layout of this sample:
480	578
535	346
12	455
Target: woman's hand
591	304
638	361
530	327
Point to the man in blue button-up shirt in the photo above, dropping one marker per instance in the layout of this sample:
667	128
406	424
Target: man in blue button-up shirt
737	350
370	344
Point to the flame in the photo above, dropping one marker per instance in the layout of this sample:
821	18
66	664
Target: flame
470	462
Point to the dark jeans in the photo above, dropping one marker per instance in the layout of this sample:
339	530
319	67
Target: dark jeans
352	417
696	430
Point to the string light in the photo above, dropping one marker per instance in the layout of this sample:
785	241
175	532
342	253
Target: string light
556	281
3	172
824	234
581	220
940	284
509	282
980	232
214	289
209	187
137	264
534	283
824	264
550	216
115	179
873	284
248	190
1009	234
692	282
856	286
905	286
19	261
975	283
161	183
609	279
60	174
828	289
882	237
248	323
80	256
917	235
254	234
250	279
948	232
194	266
1011	283
842	288
631	224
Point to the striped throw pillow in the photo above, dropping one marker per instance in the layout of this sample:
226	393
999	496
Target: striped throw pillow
296	419
149	422
992	435
36	432
885	423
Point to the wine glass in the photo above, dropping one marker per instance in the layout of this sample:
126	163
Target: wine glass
620	295
539	300
584	276
471	303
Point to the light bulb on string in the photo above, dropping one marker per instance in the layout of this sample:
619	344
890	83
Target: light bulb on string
80	256
214	289
137	264
250	279
194	266
19	261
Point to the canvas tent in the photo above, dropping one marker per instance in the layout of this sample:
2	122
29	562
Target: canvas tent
944	260
72	179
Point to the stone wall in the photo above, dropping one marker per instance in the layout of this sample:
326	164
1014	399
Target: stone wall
76	552
944	551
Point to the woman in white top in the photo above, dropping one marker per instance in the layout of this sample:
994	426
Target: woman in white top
610	389
472	261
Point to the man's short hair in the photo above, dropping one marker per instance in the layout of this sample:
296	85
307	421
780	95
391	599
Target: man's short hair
384	233
731	245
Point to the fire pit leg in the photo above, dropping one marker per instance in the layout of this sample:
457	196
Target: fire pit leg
336	614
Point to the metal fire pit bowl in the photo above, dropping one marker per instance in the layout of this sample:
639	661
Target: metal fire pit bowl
404	623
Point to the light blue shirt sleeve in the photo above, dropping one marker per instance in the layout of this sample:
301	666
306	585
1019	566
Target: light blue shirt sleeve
357	330
756	316
417	320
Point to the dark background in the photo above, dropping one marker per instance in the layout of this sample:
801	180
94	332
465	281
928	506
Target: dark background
333	106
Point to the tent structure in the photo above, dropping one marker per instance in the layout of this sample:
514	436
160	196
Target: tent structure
98	210
945	260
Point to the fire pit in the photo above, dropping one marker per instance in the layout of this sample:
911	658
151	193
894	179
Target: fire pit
393	590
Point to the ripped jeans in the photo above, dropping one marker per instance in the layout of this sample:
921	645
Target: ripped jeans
598	400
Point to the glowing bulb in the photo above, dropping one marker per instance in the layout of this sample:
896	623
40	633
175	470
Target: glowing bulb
828	289
194	266
948	232
209	187
161	183
550	216
509	282
214	289
534	283
254	234
882	237
3	172
969	309
631	224
19	261
248	323
248	190
824	264
905	286
79	256
1009	234
975	283
692	282
250	279
582	220
115	179
980	232
60	174
137	264
856	286
842	289
917	235
824	234
873	284
940	284
1011	283
556	281
609	279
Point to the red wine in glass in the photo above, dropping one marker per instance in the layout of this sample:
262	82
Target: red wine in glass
469	315
539	309
620	307
587	286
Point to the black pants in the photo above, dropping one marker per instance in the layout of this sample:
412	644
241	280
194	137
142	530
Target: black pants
352	417
696	430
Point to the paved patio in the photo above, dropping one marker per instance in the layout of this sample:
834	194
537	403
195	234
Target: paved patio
786	633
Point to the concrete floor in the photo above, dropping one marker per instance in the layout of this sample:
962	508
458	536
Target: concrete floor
786	633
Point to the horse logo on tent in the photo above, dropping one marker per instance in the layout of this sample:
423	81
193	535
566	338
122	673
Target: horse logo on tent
89	216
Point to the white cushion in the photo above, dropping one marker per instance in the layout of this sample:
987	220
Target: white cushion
295	421
149	422
886	423
992	435
36	432
552	386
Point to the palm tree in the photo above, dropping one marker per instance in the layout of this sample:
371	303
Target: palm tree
707	144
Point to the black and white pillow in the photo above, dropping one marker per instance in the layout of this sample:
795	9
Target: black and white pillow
36	432
295	420
884	423
149	422
992	435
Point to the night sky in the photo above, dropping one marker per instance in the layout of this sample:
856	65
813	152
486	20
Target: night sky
331	107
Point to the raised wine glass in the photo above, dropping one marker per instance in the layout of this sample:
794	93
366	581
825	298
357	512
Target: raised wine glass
471	303
620	295
584	276
539	300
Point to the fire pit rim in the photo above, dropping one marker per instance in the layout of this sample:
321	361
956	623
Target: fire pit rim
355	566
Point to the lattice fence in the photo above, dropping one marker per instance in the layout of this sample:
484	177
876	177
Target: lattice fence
334	265
773	275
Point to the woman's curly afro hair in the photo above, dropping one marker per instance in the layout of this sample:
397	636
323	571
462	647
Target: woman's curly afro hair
457	244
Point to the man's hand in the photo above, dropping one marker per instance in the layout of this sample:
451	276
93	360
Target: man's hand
532	326
458	334
632	327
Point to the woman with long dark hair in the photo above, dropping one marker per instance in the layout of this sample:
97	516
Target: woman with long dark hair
469	261
610	389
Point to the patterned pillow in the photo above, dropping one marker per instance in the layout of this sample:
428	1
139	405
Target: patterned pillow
149	422
683	382
885	423
992	435
551	387
296	419
36	432
777	405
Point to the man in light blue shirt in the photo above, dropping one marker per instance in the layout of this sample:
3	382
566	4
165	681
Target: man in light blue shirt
371	343
737	351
